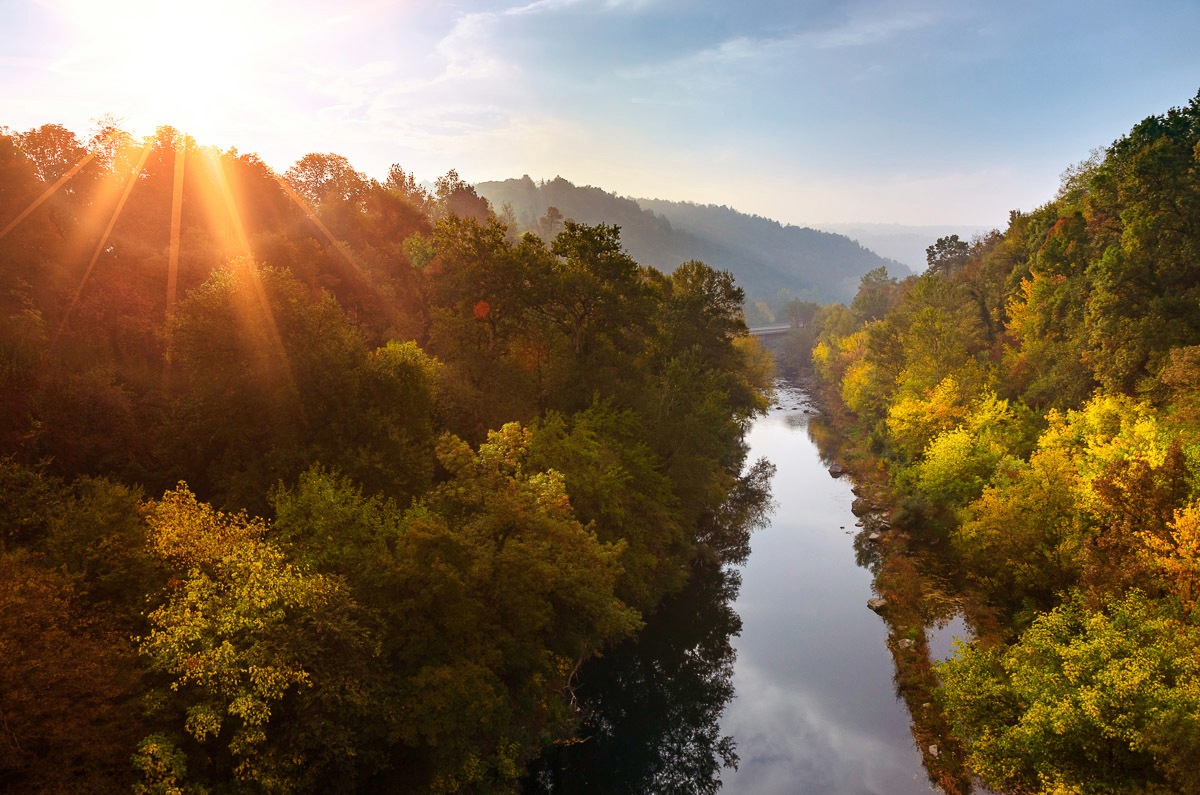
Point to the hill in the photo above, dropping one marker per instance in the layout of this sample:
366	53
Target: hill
769	260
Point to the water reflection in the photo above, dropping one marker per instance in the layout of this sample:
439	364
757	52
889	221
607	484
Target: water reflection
651	707
810	704
815	709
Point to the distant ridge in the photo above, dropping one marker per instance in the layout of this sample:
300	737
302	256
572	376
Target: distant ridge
770	261
901	242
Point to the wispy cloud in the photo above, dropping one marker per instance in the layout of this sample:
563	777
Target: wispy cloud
865	26
542	6
872	28
539	7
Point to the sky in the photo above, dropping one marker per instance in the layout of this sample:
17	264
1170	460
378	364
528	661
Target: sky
805	111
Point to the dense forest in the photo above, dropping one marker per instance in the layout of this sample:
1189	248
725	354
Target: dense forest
1033	400
773	263
310	482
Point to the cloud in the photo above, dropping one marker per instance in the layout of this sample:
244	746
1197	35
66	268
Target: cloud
864	26
872	28
789	742
539	6
467	51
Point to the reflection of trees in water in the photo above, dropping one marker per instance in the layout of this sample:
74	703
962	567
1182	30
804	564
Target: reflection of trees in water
651	706
915	574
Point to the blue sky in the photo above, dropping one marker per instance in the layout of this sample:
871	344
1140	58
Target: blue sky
806	111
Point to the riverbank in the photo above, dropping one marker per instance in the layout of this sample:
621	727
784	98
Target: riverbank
913	581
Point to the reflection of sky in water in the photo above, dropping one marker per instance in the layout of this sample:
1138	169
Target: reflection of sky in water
815	710
941	639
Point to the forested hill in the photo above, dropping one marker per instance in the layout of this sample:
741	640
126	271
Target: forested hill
763	255
827	259
313	483
1035	398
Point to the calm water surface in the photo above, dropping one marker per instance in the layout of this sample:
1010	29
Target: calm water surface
814	709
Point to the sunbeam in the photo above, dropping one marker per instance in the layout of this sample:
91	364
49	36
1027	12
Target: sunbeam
259	321
342	248
50	191
258	315
112	222
176	221
173	255
217	168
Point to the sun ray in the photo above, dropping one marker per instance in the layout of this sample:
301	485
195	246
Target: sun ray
50	191
342	248
112	222
260	318
173	256
235	216
176	223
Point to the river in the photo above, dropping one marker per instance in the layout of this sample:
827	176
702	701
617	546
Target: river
814	708
779	665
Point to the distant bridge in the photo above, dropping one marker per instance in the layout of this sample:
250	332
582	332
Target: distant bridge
771	331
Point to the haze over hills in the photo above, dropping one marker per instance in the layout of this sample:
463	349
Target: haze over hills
769	260
900	242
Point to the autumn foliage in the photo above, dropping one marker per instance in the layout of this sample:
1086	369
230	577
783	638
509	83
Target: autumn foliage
310	482
1033	398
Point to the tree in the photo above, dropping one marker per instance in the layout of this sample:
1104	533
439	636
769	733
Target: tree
1023	540
54	151
68	686
876	291
326	178
404	184
591	284
550	224
800	313
264	660
618	491
1145	293
453	197
274	379
947	255
1087	701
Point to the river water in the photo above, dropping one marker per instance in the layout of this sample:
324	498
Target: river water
814	708
781	658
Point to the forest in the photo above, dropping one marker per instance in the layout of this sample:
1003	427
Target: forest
315	483
771	262
1032	401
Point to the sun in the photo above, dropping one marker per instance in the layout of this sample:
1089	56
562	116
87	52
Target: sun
198	66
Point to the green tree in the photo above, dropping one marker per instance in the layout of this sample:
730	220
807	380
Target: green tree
1087	701
1023	539
947	255
876	291
502	594
274	379
453	197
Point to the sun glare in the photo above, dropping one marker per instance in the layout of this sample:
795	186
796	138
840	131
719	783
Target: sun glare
197	66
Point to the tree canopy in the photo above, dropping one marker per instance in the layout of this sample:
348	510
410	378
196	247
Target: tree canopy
311	483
